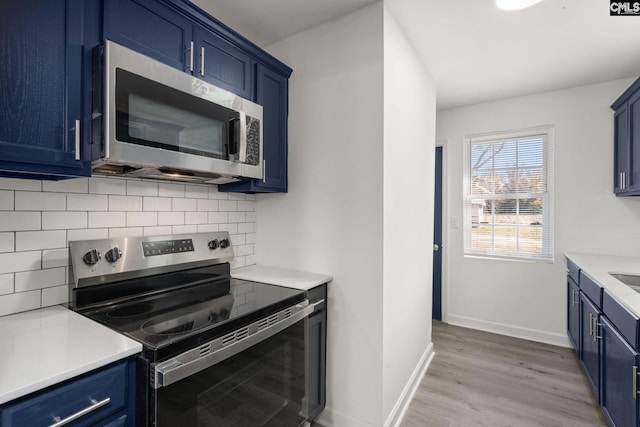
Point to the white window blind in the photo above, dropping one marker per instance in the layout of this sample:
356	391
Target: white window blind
509	194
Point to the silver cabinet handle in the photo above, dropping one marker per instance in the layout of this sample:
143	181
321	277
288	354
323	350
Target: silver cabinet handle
191	56
634	392
264	171
202	61
436	247
596	337
94	405
77	139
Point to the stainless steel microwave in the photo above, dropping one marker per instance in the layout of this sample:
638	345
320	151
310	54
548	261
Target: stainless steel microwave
153	121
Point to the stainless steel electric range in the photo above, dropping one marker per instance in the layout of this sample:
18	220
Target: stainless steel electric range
217	351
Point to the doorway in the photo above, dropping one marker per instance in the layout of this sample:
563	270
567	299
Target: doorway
436	299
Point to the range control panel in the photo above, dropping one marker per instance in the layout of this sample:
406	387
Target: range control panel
164	247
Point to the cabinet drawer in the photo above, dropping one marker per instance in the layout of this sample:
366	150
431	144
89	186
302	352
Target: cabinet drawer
591	289
626	322
108	386
573	271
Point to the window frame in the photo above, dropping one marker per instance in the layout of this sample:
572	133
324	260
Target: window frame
547	255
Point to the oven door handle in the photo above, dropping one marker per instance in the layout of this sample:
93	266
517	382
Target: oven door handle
207	355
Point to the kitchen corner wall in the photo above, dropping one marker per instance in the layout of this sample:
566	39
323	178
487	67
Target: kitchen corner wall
39	218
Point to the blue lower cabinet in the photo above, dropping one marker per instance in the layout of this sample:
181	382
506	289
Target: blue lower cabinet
42	125
573	314
619	377
105	397
590	347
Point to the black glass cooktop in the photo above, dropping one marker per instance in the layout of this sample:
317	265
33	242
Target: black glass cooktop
174	321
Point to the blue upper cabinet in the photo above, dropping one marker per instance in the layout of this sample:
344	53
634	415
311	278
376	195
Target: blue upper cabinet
185	37
627	142
43	124
151	28
272	94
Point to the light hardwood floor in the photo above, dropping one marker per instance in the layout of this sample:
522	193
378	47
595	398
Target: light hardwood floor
482	379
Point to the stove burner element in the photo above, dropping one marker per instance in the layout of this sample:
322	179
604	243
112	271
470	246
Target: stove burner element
131	310
176	322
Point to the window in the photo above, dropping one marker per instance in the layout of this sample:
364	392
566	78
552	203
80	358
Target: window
509	194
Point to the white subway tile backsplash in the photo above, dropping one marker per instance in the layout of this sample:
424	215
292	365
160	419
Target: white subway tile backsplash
7	242
21	301
87	234
231	228
6	284
157	231
195	218
246	206
63	220
142	219
38	279
170	218
245	227
125	232
228	205
6	200
76	185
32	201
36	240
107	186
250	197
170	190
250	259
55	295
20	221
218	217
38	219
55	258
207	205
183	229
197	191
12	262
107	219
207	228
184	204
237	216
156	204
20	184
125	203
87	202
142	188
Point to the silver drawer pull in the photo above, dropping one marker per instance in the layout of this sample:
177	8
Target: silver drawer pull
94	405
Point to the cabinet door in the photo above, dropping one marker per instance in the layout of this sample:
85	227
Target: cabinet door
619	378
634	142
222	64
316	362
41	50
590	349
621	148
573	314
272	94
151	28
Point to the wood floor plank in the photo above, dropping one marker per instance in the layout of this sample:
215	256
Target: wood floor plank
482	379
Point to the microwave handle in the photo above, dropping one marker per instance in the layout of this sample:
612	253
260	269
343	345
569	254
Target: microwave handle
238	138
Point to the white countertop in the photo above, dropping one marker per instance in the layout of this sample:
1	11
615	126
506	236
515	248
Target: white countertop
43	347
280	276
598	268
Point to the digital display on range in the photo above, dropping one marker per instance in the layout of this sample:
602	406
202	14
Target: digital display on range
165	247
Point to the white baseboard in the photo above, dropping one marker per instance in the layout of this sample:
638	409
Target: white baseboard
509	330
330	418
397	413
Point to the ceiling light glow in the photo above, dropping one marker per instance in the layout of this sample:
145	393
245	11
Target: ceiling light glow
515	4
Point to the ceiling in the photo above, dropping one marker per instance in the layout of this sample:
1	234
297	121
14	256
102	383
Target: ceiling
474	51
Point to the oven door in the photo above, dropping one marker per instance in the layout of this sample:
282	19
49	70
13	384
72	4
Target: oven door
258	384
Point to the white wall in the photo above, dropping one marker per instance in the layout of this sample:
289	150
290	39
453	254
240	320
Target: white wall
332	218
529	299
39	218
409	152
